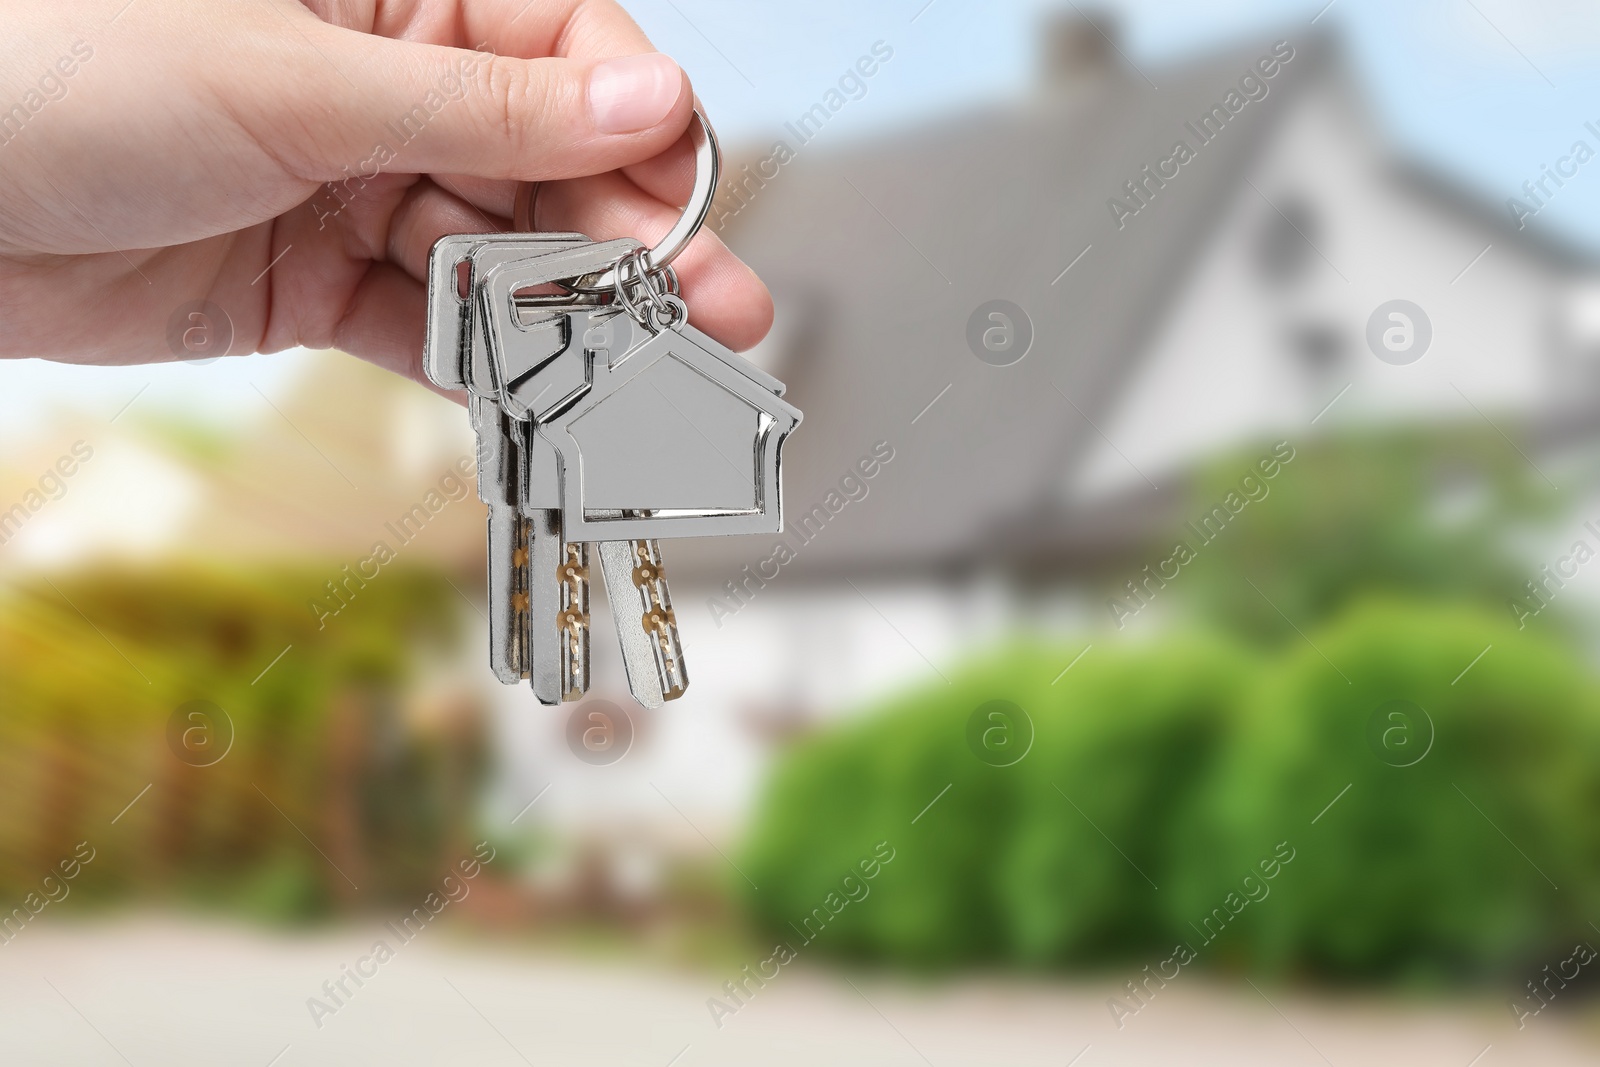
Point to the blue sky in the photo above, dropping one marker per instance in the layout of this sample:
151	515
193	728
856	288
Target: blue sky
1486	89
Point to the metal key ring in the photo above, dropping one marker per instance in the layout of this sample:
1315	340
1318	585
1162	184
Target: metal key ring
707	165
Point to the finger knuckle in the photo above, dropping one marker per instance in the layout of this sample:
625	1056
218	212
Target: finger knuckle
518	103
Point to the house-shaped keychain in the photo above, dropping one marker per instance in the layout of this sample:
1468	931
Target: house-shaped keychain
636	433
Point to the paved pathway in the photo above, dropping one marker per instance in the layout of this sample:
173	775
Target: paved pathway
159	993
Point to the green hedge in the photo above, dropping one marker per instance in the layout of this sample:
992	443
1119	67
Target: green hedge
1164	782
1446	867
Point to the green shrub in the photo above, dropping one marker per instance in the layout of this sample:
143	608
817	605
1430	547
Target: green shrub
835	798
1127	741
325	743
1002	866
1191	767
1448	866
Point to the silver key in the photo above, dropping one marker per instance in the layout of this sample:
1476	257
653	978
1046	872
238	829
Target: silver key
520	342
676	437
507	542
537	343
687	428
446	358
558	611
455	357
451	320
605	423
544	364
652	654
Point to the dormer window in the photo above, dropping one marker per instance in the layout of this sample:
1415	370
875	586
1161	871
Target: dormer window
1318	345
1284	246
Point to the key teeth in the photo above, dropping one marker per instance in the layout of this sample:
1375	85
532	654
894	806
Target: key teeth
508	595
558	623
658	620
521	574
573	626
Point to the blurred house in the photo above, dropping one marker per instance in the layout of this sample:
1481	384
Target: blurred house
309	475
1180	303
1199	249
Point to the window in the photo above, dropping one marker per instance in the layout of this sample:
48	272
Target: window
1284	245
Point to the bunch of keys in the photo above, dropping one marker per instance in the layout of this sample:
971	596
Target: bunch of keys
605	422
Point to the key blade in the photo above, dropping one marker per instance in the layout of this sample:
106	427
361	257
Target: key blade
652	654
508	593
558	612
499	482
659	621
498	472
573	622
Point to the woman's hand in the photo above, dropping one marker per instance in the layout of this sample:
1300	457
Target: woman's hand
292	165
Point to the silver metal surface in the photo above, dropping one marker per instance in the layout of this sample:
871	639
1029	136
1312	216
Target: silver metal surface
655	602
639	645
604	421
678	437
558	611
498	473
485	259
508	594
572	623
707	168
540	470
535	345
450	314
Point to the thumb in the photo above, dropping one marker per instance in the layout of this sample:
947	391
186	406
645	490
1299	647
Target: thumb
422	108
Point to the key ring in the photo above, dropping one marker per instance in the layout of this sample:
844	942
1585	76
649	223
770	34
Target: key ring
707	166
653	305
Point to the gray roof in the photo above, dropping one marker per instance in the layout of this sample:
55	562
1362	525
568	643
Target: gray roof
889	245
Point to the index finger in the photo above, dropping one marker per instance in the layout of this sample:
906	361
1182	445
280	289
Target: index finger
573	29
524	29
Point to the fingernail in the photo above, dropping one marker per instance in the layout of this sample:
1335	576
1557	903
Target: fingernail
634	92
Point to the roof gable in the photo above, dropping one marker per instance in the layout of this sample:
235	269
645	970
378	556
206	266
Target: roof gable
893	243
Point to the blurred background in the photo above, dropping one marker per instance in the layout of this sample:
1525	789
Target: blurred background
1183	647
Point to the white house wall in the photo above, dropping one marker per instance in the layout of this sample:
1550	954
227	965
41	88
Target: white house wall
1220	374
823	652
